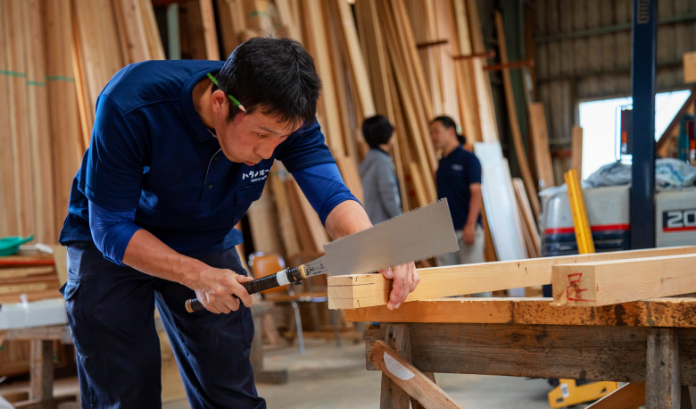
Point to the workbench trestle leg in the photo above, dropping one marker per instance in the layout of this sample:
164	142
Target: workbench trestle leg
392	396
663	381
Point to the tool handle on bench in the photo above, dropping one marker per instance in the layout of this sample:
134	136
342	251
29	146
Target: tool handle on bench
285	277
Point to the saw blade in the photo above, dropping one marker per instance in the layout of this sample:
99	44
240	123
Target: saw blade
417	235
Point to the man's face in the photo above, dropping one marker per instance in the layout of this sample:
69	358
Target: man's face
249	138
439	135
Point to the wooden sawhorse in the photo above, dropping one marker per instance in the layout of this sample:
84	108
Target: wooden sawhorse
41	364
651	342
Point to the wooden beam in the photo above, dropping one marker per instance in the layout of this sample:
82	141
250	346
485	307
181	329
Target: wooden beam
351	176
348	35
663	383
538	351
39	125
542	154
486	55
658	312
286	225
509	66
630	396
317	45
514	122
41	365
18	125
529	226
409	378
365	290
212	49
65	134
576	150
9	219
264	225
677	119
619	281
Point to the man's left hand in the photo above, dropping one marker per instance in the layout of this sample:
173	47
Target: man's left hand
469	235
406	280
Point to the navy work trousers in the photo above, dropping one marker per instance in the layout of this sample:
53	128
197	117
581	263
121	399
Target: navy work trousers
111	311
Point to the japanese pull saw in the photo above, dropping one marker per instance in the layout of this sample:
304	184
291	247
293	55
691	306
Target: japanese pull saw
417	235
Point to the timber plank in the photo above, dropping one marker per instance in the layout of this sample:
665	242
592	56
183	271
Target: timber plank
9	217
131	29
409	378
154	41
613	282
264	226
364	290
659	312
351	176
18	124
630	396
542	153
576	150
212	49
349	38
66	139
286	225
39	124
514	122
538	351
318	47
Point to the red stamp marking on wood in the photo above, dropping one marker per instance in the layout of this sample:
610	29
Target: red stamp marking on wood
574	280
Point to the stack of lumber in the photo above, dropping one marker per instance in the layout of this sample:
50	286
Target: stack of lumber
582	280
33	277
409	60
57	57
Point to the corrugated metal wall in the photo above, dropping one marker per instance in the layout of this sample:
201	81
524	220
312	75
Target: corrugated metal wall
583	51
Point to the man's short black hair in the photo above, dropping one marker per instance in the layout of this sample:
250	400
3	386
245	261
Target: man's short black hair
449	123
276	75
377	130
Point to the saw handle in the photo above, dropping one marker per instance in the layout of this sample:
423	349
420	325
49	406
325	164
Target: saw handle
285	277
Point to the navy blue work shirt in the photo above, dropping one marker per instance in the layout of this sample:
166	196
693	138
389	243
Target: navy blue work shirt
455	173
151	152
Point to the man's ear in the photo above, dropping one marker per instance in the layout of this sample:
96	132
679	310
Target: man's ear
218	99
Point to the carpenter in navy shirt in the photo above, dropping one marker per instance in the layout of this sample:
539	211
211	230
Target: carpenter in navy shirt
179	151
458	179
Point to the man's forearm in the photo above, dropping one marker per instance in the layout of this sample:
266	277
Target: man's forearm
148	254
474	208
347	218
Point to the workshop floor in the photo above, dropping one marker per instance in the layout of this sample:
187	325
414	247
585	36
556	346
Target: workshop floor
328	377
331	378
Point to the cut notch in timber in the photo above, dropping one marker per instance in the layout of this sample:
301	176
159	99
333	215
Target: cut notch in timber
619	281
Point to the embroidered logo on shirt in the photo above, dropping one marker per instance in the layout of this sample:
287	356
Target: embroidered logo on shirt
457	167
256	175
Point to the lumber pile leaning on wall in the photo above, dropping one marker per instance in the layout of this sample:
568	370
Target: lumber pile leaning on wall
59	55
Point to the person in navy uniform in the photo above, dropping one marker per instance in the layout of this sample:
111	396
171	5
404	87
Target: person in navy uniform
458	179
179	151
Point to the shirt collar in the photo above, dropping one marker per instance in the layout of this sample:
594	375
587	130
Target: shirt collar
201	133
454	151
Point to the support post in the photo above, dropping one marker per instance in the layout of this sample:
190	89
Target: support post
642	198
663	381
41	370
392	396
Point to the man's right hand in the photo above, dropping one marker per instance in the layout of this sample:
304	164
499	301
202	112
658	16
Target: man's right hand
215	289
